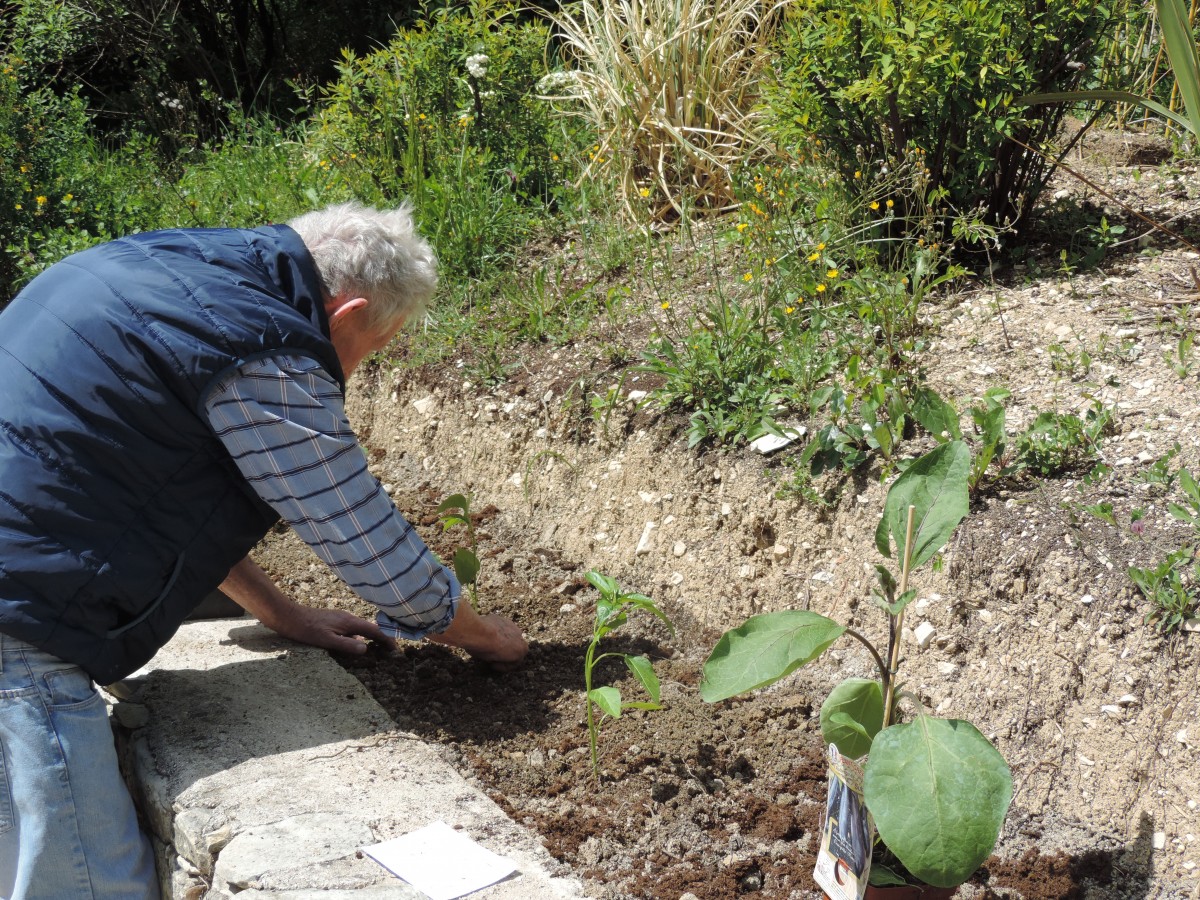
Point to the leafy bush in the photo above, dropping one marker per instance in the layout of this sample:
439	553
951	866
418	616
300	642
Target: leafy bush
43	141
446	114
876	80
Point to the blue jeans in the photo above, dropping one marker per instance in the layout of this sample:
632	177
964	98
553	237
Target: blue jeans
68	829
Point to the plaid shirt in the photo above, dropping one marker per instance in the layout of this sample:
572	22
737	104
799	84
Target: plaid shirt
283	422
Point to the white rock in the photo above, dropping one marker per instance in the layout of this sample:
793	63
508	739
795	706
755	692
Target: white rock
1192	624
645	544
947	668
676	578
1087	599
923	635
679	549
637	396
1127	700
823	577
425	406
567	608
1160	840
781	553
516	478
1111	709
646	496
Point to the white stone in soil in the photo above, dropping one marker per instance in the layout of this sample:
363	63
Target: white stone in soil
923	634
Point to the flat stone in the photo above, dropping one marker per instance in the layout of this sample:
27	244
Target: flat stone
306	839
425	406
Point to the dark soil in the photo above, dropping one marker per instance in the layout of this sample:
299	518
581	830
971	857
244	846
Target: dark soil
716	801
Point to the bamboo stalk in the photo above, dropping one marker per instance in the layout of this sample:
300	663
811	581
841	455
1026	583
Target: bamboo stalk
894	659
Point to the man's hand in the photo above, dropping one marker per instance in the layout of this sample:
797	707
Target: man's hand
492	638
332	629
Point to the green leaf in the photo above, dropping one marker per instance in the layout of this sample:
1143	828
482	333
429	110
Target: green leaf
455	501
1181	49
605	585
938	791
608	699
764	649
936	415
644	672
466	566
852	715
936	484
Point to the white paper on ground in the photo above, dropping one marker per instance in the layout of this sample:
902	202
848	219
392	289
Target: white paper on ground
440	861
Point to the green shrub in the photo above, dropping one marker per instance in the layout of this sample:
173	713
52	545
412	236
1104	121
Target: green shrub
446	114
43	141
878	80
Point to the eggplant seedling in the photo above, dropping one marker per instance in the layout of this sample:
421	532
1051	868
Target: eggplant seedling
612	611
453	511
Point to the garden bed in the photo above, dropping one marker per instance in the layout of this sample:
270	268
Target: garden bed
1039	636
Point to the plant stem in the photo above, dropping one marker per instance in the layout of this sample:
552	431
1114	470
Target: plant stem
898	622
588	663
883	669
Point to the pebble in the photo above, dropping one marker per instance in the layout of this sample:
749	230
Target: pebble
425	405
1160	840
645	542
679	549
923	634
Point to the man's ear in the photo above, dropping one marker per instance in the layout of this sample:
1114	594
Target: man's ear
339	308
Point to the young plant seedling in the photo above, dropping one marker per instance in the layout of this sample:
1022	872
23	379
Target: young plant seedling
453	511
937	789
612	611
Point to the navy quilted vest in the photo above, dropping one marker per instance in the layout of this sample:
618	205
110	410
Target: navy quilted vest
119	508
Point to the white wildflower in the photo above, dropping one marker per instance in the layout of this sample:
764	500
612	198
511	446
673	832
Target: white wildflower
477	65
560	83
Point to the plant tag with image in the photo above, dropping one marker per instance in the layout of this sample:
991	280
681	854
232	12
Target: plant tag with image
847	832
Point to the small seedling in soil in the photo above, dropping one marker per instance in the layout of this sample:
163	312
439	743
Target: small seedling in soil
453	511
937	789
612	611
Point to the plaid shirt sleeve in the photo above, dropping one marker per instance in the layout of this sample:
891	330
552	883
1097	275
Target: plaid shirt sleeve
283	422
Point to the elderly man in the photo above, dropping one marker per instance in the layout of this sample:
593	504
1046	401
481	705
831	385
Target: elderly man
166	398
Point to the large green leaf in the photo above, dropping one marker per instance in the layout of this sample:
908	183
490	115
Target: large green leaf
763	649
936	484
1181	50
860	700
938	791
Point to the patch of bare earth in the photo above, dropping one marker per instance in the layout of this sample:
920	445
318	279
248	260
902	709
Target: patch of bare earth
1039	635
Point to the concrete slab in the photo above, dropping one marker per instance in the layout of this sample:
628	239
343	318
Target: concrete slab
262	767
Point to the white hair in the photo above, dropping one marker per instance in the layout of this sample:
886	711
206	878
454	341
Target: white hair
364	252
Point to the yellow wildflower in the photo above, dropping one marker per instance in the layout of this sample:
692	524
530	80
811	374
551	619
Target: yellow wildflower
666	304
891	203
820	288
748	277
874	204
821	246
742	226
832	273
645	192
41	200
789	310
813	257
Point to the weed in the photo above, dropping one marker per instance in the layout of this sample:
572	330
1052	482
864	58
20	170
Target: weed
1171	587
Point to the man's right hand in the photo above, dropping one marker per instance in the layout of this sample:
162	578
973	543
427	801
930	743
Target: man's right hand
493	638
